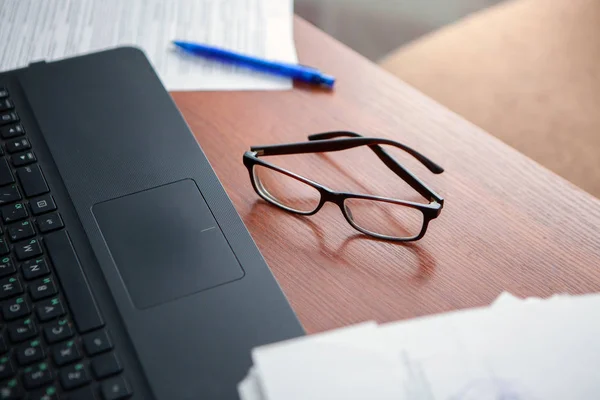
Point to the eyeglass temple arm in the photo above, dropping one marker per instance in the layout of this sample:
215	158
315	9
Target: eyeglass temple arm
391	163
318	143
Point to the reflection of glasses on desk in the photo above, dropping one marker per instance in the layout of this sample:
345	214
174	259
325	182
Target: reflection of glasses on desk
381	217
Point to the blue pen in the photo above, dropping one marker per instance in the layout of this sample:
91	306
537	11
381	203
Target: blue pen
297	72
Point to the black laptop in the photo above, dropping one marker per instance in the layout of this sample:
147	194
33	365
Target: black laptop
125	271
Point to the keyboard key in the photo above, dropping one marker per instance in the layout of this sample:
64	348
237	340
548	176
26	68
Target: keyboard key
42	288
96	342
6	267
13	212
32	180
6	104
8	118
11	390
49	309
86	393
28	249
30	352
42	204
6	176
3	92
20	159
16	308
4	249
8	194
37	375
76	289
115	389
20	231
35	268
10	287
58	331
7	369
16	145
46	394
50	222
3	344
106	365
22	330
66	353
74	376
8	132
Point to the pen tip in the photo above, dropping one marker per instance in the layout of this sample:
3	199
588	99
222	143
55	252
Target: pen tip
327	81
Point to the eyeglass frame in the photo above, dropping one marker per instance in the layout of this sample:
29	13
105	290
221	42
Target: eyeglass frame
327	142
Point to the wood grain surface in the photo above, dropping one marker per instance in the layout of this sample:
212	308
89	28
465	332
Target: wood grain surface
508	224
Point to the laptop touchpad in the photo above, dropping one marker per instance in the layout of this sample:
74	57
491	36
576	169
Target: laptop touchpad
166	243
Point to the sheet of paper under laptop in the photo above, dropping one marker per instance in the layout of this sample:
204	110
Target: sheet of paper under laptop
34	30
532	349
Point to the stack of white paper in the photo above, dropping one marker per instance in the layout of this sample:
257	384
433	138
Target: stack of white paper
530	349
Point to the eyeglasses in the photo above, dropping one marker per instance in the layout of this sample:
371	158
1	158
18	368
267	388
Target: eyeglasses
381	217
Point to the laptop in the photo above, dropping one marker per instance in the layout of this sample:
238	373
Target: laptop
125	271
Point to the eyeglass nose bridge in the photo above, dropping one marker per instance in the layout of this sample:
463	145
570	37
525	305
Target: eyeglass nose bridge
338	198
331	196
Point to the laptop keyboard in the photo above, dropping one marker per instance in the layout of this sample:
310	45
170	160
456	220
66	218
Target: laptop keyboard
53	341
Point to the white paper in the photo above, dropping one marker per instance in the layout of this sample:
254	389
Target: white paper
508	300
249	388
544	350
517	349
34	30
344	364
538	349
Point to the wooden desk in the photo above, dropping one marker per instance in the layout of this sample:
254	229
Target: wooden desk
508	224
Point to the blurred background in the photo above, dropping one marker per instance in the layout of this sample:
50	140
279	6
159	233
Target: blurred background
376	27
523	70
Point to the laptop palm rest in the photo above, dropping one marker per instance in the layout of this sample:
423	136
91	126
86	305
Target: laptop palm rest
166	243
